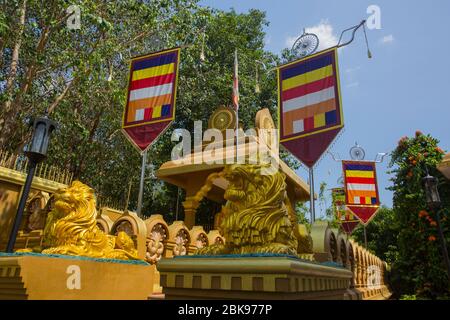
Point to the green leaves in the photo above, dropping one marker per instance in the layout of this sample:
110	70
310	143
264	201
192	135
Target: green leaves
417	266
96	58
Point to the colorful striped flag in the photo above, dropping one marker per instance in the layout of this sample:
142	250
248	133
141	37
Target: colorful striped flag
361	188
309	104
344	216
151	96
236	83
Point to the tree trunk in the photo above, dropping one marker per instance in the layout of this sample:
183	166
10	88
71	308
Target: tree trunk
5	122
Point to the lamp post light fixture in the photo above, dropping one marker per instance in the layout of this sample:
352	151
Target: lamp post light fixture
36	151
434	203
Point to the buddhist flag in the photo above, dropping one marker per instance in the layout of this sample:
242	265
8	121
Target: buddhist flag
361	190
236	83
150	106
310	111
345	217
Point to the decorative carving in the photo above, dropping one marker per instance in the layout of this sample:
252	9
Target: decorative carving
214	237
218	241
181	242
201	241
72	229
265	125
333	247
255	218
124	226
155	246
36	211
223	118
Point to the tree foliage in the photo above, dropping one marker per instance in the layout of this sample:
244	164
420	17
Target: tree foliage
418	266
381	235
79	78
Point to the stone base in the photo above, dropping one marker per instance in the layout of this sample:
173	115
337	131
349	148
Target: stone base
252	277
57	277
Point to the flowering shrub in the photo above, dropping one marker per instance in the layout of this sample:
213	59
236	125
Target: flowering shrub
418	268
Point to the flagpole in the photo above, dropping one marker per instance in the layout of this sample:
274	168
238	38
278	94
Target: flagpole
236	97
311	195
141	183
365	237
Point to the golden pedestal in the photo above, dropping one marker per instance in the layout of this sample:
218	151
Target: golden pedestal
252	277
57	277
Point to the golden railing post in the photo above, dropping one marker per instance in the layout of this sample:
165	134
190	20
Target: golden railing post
190	209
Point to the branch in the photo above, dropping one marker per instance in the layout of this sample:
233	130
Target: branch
60	97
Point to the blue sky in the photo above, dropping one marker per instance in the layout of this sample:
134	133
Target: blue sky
403	88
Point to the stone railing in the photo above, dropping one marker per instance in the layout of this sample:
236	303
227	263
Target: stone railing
154	237
369	271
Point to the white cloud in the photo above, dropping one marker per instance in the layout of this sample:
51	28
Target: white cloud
352	85
353	70
387	39
323	30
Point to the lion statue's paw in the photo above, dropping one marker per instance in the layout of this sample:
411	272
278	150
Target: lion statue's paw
277	248
26	250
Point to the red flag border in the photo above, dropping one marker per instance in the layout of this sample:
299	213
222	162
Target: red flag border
133	143
371	217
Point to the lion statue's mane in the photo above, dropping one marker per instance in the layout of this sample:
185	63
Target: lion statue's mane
256	217
71	227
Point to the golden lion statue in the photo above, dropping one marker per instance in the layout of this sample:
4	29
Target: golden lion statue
71	227
257	217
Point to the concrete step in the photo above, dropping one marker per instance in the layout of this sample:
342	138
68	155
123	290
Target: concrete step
13	291
12	285
10	280
10	296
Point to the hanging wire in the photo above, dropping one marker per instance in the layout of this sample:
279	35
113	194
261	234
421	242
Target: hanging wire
369	54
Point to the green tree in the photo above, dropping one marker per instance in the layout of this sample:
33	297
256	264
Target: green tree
381	235
418	266
80	77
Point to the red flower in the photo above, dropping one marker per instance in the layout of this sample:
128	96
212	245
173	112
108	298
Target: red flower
439	150
402	140
433	223
410	174
418	133
422	213
431	238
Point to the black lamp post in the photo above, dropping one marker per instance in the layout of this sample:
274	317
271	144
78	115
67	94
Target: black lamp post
434	203
36	151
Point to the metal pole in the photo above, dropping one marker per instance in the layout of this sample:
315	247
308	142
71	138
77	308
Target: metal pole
311	196
128	197
365	237
141	183
237	134
443	244
20	209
